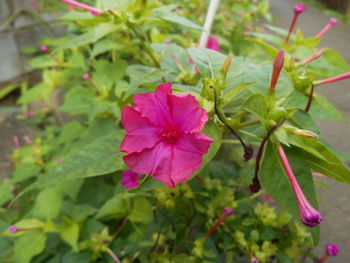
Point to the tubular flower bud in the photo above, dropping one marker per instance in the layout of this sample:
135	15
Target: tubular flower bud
298	9
227	63
93	10
305	133
314	56
333	79
309	215
225	213
277	68
332	22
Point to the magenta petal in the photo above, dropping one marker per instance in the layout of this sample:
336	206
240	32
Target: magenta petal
187	155
213	43
186	113
154	106
155	161
141	133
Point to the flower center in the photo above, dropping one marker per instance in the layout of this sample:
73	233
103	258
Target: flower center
170	135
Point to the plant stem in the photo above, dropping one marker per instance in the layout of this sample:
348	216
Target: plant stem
248	149
121	227
249	123
311	96
112	255
255	186
231	141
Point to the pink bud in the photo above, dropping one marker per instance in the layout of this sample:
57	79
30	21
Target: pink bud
332	250
299	8
93	10
59	160
167	41
333	79
13	229
314	56
228	211
213	43
308	214
44	48
86	76
130	179
27	139
16	142
277	68
332	22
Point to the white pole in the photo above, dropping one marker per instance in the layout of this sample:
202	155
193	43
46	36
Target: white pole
213	7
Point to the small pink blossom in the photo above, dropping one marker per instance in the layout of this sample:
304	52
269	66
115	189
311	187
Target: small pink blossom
130	179
27	139
298	9
332	249
213	43
86	76
13	229
44	48
163	136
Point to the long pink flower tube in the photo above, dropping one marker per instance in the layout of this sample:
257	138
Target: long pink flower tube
163	137
298	9
309	215
226	213
93	10
332	22
333	79
314	56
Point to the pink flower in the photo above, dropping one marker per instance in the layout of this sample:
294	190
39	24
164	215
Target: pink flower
308	214
298	9
333	79
44	48
213	43
162	135
314	56
130	179
13	229
332	22
86	76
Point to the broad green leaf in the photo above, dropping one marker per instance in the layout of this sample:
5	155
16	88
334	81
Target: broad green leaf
78	100
257	105
28	246
24	171
117	206
209	62
303	120
105	45
141	211
70	257
140	74
38	92
69	232
272	51
44	61
91	36
70	132
100	157
276	182
231	92
175	18
5	191
47	205
322	108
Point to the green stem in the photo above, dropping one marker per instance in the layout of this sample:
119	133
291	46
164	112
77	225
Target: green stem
231	141
112	255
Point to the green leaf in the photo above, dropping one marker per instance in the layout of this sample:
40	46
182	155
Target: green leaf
141	211
209	62
28	246
231	92
47	205
214	132
105	45
69	232
78	100
140	74
175	18
5	191
303	120
276	182
24	171
100	157
44	61
38	92
322	108
70	132
91	36
117	206
257	105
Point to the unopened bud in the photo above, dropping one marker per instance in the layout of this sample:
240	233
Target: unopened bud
333	79
13	229
314	56
86	76
277	68
332	250
299	8
305	133
332	22
227	64
44	48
